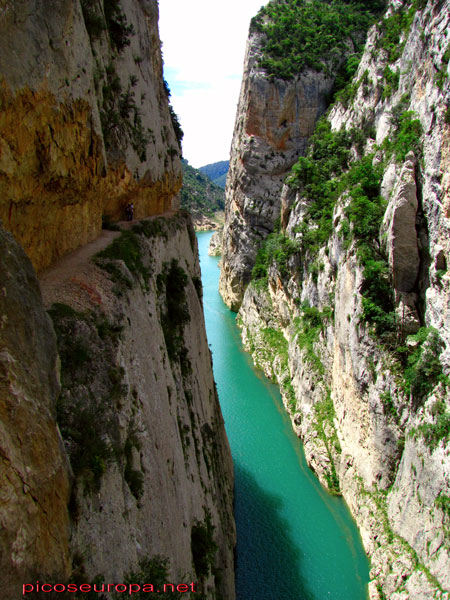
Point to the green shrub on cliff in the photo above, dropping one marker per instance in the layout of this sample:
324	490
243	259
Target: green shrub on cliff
91	384
116	22
406	137
313	33
94	22
393	29
423	368
276	249
153	570
316	176
179	133
443	502
126	248
203	546
324	415
119	114
309	325
437	431
378	305
172	281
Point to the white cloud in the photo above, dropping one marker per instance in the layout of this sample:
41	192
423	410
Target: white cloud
203	48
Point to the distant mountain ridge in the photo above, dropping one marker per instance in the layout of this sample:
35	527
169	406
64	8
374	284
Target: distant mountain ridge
217	172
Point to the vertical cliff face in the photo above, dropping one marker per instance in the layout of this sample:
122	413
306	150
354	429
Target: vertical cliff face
142	480
139	412
349	305
273	122
85	122
34	470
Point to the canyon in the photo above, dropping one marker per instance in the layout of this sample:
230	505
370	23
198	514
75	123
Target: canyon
335	256
114	459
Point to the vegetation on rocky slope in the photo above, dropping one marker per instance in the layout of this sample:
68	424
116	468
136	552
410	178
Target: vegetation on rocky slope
112	20
315	34
199	195
87	345
217	172
120	112
337	167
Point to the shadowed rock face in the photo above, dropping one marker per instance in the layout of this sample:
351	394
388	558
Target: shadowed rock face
34	471
273	123
84	126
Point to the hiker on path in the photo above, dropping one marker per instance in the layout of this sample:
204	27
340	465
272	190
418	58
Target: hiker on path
130	211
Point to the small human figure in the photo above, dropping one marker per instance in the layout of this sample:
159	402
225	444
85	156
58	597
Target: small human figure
130	211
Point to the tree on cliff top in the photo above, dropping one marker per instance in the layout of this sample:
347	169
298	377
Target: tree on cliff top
311	33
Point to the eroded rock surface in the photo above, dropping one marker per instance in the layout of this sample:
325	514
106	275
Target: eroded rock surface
273	123
34	470
85	123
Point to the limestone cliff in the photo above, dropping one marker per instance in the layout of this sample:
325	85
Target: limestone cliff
273	122
114	460
349	305
215	243
142	482
85	123
34	470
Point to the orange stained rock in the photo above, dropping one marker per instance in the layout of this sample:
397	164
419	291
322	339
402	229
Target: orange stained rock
54	184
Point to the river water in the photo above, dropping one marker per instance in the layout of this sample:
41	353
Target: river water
295	541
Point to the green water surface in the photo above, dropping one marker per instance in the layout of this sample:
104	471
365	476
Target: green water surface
295	541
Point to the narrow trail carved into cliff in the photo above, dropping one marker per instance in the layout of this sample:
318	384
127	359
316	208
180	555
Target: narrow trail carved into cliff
75	276
75	279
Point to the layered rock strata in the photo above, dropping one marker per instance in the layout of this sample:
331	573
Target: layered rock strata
368	392
85	124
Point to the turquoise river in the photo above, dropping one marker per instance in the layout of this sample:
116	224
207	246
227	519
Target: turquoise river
295	541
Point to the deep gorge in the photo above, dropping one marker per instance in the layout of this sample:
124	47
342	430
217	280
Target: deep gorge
114	457
294	540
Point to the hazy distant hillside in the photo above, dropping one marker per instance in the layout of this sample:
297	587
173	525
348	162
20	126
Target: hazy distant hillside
217	172
199	195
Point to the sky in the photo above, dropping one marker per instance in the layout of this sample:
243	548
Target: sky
203	50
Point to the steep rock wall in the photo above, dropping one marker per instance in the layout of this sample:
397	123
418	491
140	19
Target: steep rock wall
273	122
85	124
34	470
143	472
136	366
370	402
